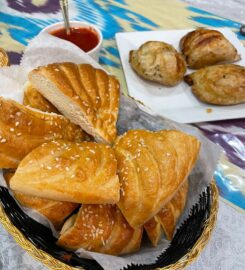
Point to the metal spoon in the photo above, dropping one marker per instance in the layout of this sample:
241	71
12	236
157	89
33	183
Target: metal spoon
64	8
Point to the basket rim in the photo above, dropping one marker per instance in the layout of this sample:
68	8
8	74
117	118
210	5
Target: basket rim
55	264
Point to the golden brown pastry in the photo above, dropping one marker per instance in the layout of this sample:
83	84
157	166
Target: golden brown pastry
100	228
87	96
66	171
159	62
35	100
167	217
154	230
205	47
22	129
151	167
219	85
56	212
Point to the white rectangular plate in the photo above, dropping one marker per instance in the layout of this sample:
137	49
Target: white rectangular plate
177	103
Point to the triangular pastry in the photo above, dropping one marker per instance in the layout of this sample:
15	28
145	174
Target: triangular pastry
56	212
100	228
87	96
22	129
151	167
66	171
204	47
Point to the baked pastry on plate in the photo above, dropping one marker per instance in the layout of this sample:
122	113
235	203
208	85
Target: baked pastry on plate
205	47
100	228
66	171
159	62
87	96
219	85
22	129
56	212
35	100
167	218
152	166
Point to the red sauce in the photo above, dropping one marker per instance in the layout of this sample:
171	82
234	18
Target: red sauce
84	38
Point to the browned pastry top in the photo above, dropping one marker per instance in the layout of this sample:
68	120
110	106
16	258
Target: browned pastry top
219	85
204	47
151	168
158	61
66	171
22	129
87	96
100	228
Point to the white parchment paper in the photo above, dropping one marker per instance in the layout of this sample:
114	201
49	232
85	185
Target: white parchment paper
46	49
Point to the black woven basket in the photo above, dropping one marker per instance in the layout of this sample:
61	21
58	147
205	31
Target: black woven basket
42	238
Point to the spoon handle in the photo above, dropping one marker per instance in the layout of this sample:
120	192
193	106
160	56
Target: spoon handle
64	9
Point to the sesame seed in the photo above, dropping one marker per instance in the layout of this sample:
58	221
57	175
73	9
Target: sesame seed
87	158
19	134
92	151
73	176
146	169
67	169
29	123
17	123
11	129
56	69
49	168
18	113
3	140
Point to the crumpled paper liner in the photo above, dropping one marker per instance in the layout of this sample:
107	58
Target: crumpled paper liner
46	49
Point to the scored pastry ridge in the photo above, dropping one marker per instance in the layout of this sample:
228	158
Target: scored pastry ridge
151	168
100	228
66	171
22	129
204	47
87	96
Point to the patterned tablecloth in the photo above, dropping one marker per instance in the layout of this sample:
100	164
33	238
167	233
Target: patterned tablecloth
21	20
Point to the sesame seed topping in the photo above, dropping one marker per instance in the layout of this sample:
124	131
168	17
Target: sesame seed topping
18	113
92	151
67	169
49	168
3	140
29	123
11	129
17	123
87	158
